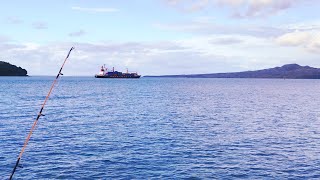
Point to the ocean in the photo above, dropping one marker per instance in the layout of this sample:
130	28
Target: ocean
161	128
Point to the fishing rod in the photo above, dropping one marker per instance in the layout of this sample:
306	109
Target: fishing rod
39	115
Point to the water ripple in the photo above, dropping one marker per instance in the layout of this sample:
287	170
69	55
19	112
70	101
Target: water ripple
161	128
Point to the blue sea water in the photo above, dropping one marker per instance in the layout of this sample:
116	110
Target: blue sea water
153	128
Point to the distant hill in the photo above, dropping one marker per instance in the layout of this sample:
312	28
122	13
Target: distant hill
289	71
7	69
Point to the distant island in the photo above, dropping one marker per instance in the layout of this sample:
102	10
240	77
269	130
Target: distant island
288	71
7	69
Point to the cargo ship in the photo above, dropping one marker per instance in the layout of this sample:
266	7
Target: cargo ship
115	74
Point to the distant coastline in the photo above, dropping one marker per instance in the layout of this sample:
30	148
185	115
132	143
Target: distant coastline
7	69
288	71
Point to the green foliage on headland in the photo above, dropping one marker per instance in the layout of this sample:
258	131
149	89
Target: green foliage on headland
7	69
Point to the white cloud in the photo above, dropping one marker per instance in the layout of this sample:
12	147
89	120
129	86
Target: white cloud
40	25
309	40
14	20
294	38
303	26
167	57
226	41
77	33
4	38
256	8
209	28
189	5
94	10
205	54
239	8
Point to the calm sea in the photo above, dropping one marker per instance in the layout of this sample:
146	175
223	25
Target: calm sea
153	128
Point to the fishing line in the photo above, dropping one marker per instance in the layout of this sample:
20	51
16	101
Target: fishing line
38	117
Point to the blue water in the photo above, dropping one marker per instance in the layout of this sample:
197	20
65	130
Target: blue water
161	128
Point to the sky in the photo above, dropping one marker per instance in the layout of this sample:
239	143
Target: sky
159	37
